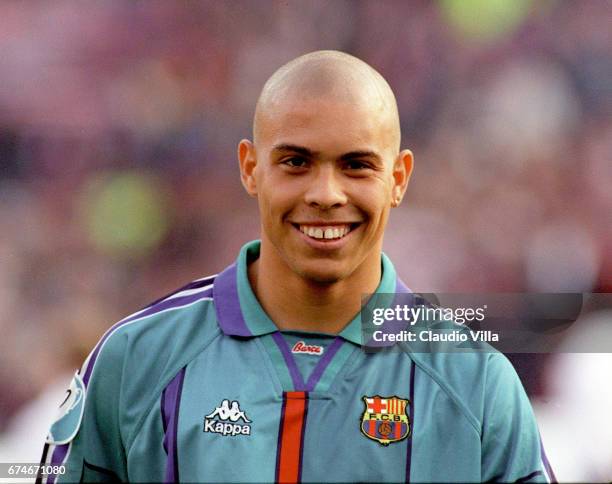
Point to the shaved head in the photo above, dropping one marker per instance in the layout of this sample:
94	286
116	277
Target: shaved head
329	76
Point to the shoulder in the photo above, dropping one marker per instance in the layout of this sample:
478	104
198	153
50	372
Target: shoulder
178	314
140	354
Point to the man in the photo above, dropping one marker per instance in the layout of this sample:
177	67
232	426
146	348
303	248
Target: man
257	374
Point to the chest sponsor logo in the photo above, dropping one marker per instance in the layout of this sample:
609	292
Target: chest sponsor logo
302	347
385	419
227	420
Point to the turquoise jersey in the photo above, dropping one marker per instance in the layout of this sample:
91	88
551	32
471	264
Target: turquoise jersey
201	386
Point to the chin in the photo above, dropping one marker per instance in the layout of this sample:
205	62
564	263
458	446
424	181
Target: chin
323	279
321	276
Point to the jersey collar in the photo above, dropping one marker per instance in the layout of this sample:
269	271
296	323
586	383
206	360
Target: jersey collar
240	314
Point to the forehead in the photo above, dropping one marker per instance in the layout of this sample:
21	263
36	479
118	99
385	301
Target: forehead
327	125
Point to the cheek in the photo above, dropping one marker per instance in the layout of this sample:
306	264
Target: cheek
374	199
274	206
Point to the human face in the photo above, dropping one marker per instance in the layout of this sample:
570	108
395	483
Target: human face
325	175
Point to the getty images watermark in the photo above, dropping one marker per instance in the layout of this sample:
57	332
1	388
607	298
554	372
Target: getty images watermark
511	323
421	314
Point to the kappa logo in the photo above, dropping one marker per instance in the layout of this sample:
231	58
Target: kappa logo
224	420
385	419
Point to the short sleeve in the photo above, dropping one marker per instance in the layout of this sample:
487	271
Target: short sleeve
511	445
85	437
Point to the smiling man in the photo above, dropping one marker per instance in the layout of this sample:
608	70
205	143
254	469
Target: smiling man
258	374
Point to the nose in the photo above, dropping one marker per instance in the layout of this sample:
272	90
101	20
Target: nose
325	190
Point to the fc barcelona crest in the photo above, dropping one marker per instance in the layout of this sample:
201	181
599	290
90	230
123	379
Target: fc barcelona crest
385	419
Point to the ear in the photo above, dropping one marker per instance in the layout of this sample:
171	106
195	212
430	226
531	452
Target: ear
248	163
402	169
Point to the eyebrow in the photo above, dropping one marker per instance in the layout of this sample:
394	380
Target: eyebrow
351	155
289	148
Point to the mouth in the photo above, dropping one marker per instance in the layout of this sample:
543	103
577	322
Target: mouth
325	233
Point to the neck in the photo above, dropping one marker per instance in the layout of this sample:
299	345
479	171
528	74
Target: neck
307	305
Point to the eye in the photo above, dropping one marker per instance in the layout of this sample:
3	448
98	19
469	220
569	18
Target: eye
356	165
295	162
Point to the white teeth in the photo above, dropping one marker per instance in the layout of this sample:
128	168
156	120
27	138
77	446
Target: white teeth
335	232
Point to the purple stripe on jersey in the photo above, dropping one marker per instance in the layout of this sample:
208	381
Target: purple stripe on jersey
169	304
161	306
300	465
401	288
192	285
411	422
280	437
59	454
227	303
323	363
547	465
294	371
172	403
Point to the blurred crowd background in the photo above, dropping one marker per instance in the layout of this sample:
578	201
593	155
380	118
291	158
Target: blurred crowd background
119	181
